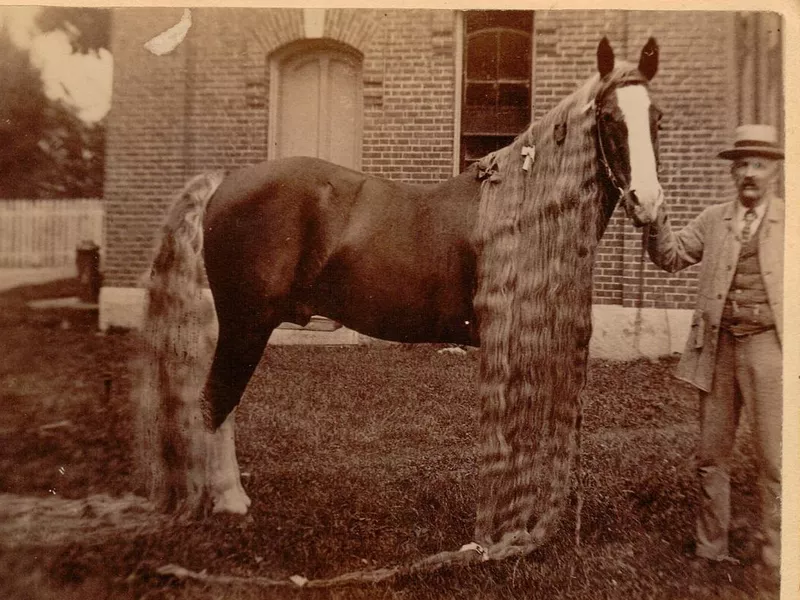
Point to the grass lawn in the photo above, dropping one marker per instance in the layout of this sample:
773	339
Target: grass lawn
354	457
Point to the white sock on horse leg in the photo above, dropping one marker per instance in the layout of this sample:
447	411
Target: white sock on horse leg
223	477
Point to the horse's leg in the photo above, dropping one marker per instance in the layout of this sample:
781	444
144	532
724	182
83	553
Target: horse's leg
223	477
251	269
239	349
237	355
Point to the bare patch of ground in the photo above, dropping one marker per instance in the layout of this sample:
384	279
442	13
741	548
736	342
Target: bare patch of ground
35	521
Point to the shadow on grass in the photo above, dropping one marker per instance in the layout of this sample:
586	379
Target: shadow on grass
14	308
60	288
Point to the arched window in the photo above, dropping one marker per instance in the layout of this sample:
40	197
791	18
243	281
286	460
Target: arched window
316	102
496	97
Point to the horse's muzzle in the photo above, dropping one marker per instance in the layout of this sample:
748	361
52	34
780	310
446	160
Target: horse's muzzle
642	210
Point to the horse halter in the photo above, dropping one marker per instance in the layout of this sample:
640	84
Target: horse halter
612	178
598	104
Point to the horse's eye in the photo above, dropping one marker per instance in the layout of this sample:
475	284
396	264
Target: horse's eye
607	117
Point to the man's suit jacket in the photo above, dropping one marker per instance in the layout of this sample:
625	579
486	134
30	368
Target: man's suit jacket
711	239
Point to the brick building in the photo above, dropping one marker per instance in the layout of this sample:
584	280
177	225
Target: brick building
415	95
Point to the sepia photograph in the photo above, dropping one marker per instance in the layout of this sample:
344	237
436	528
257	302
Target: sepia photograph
379	301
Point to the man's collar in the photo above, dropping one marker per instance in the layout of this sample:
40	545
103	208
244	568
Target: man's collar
760	209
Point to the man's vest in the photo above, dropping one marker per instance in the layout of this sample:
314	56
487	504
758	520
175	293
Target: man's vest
747	308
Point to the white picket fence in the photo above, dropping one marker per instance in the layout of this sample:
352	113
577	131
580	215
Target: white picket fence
45	233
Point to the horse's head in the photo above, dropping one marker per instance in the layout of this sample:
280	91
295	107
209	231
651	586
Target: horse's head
627	130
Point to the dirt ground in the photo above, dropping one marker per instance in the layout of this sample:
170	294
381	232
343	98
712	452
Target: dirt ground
355	457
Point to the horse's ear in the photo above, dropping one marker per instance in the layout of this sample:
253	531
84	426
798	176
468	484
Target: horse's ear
648	62
605	57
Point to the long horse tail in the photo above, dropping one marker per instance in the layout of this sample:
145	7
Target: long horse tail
178	339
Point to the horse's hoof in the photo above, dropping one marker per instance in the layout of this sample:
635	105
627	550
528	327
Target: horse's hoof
232	501
245	497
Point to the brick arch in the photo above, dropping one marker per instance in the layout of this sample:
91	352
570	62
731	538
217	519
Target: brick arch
302	45
268	30
354	27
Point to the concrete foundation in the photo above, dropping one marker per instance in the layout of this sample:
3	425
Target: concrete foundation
622	333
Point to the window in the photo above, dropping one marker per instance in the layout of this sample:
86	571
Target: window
496	94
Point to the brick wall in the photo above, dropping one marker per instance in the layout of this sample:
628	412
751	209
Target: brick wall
145	151
409	111
205	106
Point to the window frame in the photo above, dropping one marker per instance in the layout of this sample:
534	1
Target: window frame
461	80
327	49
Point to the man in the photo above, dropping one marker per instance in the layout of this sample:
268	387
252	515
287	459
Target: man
733	355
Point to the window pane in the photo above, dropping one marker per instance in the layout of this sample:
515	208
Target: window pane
513	94
480	146
476	147
482	57
485	19
512	120
479	120
481	94
515	56
494	121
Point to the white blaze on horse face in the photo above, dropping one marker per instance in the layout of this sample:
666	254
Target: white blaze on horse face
634	102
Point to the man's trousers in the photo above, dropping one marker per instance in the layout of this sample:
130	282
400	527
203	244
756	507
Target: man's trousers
748	374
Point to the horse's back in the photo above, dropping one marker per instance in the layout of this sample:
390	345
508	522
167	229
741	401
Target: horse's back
278	182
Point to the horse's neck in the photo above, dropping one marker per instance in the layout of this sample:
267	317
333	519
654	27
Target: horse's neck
609	203
570	180
464	188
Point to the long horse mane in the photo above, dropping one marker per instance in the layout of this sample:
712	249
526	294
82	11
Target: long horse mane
537	233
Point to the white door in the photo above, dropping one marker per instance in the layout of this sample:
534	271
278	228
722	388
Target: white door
318	107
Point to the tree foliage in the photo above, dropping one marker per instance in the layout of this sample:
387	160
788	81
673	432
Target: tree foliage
46	151
22	122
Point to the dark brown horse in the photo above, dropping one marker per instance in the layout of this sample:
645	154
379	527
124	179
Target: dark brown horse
296	237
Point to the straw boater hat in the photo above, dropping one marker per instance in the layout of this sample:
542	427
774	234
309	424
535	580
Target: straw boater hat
754	140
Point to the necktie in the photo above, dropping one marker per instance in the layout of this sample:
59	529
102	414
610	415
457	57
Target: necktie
749	217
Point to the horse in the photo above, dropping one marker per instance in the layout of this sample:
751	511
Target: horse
286	239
